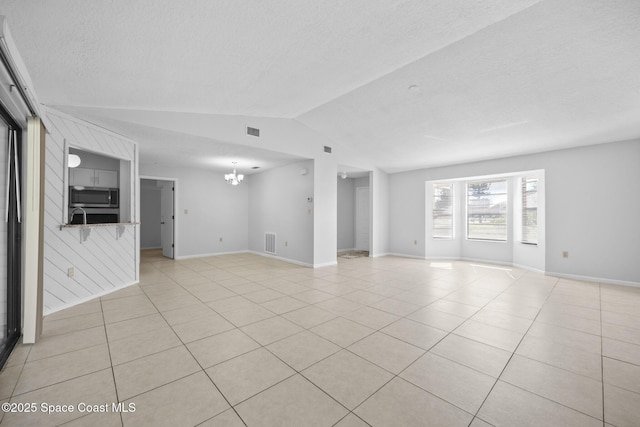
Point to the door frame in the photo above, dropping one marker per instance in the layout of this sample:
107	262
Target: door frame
175	207
357	225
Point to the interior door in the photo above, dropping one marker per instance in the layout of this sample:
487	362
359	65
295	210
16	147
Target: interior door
166	217
362	218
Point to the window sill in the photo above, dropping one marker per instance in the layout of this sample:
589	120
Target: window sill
486	240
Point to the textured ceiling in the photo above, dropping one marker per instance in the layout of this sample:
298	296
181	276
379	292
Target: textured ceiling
495	78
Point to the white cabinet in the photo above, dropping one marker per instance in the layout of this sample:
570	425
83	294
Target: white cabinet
104	178
93	177
81	176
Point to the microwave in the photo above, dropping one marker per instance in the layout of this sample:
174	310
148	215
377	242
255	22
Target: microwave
92	197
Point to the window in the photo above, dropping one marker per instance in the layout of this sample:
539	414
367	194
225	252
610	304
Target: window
487	210
442	211
530	210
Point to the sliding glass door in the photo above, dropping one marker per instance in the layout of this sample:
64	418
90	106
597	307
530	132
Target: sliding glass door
10	234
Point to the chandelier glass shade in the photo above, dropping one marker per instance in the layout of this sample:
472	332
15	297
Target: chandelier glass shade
233	178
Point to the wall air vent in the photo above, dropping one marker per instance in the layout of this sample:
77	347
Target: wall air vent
253	131
327	149
270	243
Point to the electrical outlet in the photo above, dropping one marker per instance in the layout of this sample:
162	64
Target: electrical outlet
415	242
70	272
221	239
565	254
186	211
286	243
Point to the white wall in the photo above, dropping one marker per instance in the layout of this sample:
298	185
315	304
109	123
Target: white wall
91	160
379	234
278	204
280	135
207	210
106	261
591	207
325	197
346	213
150	215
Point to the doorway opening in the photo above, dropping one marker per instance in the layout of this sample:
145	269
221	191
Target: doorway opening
354	213
157	216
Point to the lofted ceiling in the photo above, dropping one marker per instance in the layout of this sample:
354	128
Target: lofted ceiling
408	84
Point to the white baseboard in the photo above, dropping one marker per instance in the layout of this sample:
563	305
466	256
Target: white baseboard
182	257
291	261
325	264
402	255
594	279
531	269
524	267
89	298
379	254
486	261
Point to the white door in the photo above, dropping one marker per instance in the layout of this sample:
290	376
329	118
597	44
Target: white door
166	218
362	218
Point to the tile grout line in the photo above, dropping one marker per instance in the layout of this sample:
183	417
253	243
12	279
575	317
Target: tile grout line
440	340
516	347
394	375
113	374
23	365
183	344
308	329
410	364
528	391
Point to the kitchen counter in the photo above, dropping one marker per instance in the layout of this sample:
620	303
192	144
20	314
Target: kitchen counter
110	224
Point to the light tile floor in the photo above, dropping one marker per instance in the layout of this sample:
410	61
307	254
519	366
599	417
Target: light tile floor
245	340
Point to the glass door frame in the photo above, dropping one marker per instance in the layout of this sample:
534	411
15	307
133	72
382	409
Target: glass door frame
14	242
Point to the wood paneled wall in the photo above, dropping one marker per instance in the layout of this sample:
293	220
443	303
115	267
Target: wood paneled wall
107	260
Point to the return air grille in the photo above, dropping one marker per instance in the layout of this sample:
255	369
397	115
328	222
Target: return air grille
270	243
253	131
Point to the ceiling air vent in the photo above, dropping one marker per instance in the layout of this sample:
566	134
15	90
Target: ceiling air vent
327	149
255	167
253	131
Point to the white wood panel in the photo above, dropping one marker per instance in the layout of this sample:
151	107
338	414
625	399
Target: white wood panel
104	262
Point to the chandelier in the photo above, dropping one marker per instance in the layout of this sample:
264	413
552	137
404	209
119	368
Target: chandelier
233	178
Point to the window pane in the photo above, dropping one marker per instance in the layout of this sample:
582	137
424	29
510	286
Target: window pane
487	210
530	210
442	211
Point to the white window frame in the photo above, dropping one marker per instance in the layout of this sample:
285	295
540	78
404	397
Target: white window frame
506	213
522	208
452	210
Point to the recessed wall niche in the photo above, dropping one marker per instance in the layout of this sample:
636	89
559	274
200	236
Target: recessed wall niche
99	188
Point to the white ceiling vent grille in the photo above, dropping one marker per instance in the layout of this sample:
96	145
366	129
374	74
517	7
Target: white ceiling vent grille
253	131
270	243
